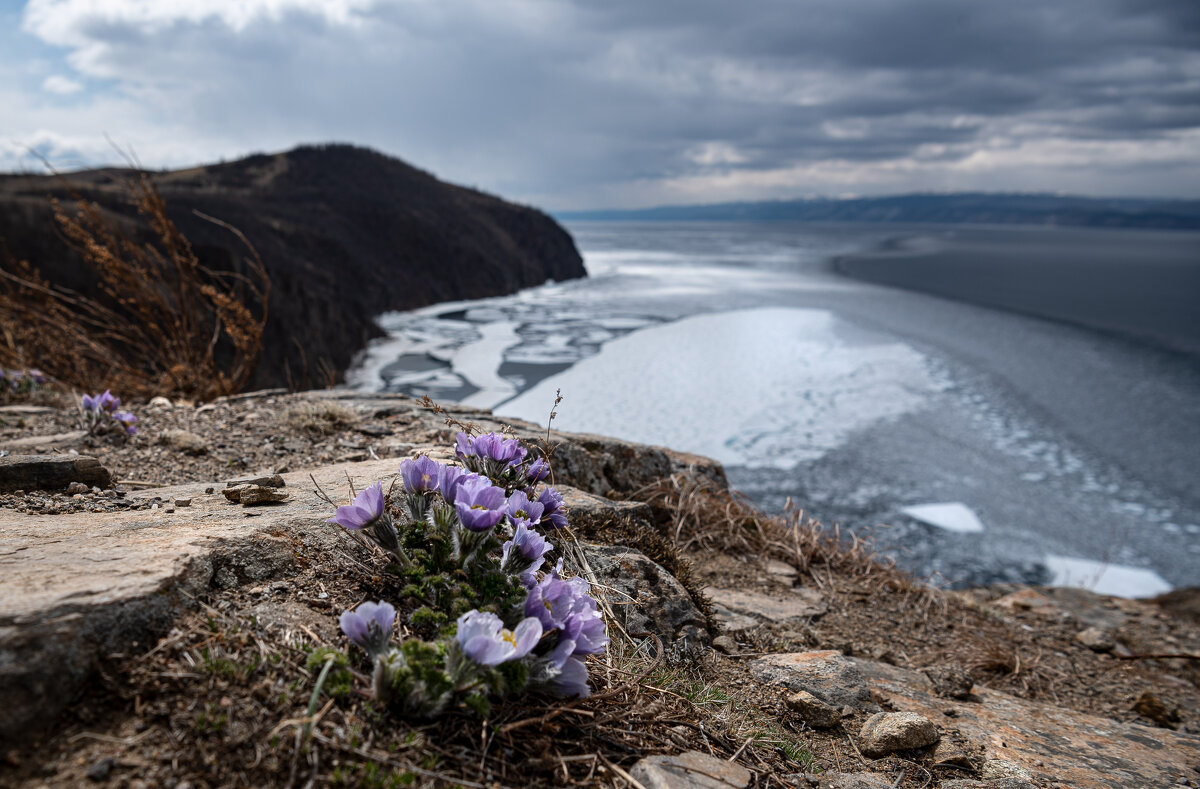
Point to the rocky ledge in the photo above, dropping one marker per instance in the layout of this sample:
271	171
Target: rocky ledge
768	662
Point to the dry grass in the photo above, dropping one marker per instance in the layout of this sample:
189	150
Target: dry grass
160	322
703	518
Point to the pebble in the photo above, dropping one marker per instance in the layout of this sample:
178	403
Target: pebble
887	732
813	711
725	644
100	770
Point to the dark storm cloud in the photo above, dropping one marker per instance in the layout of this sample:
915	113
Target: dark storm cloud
628	101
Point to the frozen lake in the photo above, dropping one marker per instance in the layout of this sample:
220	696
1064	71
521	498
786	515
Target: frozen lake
977	444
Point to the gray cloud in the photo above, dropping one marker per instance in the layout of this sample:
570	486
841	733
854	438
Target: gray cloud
631	103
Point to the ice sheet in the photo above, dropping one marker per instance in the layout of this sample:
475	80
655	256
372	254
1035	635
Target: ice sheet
759	387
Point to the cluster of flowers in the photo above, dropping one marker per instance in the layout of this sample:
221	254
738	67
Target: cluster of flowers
20	382
525	628
102	413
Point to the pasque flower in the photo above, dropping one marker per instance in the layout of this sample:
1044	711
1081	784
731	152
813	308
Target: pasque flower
552	501
492	446
485	640
572	679
127	419
523	511
369	626
525	552
567	606
538	470
448	479
479	503
366	509
420	475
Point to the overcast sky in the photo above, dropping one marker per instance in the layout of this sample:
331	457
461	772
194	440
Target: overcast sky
627	103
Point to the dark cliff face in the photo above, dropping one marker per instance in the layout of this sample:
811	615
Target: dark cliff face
346	233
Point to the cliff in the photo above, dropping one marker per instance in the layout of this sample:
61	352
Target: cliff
346	233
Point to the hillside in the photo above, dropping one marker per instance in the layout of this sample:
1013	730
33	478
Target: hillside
346	233
166	634
973	208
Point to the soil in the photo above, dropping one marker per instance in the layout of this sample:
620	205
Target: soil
221	699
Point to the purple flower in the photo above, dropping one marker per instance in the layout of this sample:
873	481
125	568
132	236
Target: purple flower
567	606
491	446
486	641
480	504
523	511
420	475
572	679
90	403
448	479
552	501
538	470
369	626
38	377
106	402
366	509
525	552
127	419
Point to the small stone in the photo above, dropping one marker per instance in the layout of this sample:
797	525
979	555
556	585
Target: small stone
209	490
77	489
813	711
689	770
781	570
725	644
185	441
261	494
183	502
100	770
888	732
1096	639
950	681
160	402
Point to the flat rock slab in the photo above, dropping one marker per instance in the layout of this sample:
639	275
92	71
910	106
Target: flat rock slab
828	675
77	586
51	472
1051	743
784	608
67	440
690	770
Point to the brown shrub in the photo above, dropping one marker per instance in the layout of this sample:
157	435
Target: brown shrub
159	323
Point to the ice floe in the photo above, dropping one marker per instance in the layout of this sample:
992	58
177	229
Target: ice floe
951	516
1118	580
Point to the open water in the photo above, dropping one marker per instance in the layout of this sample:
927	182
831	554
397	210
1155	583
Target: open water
976	444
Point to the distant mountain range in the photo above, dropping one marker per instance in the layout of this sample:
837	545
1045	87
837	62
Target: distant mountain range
346	233
967	207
